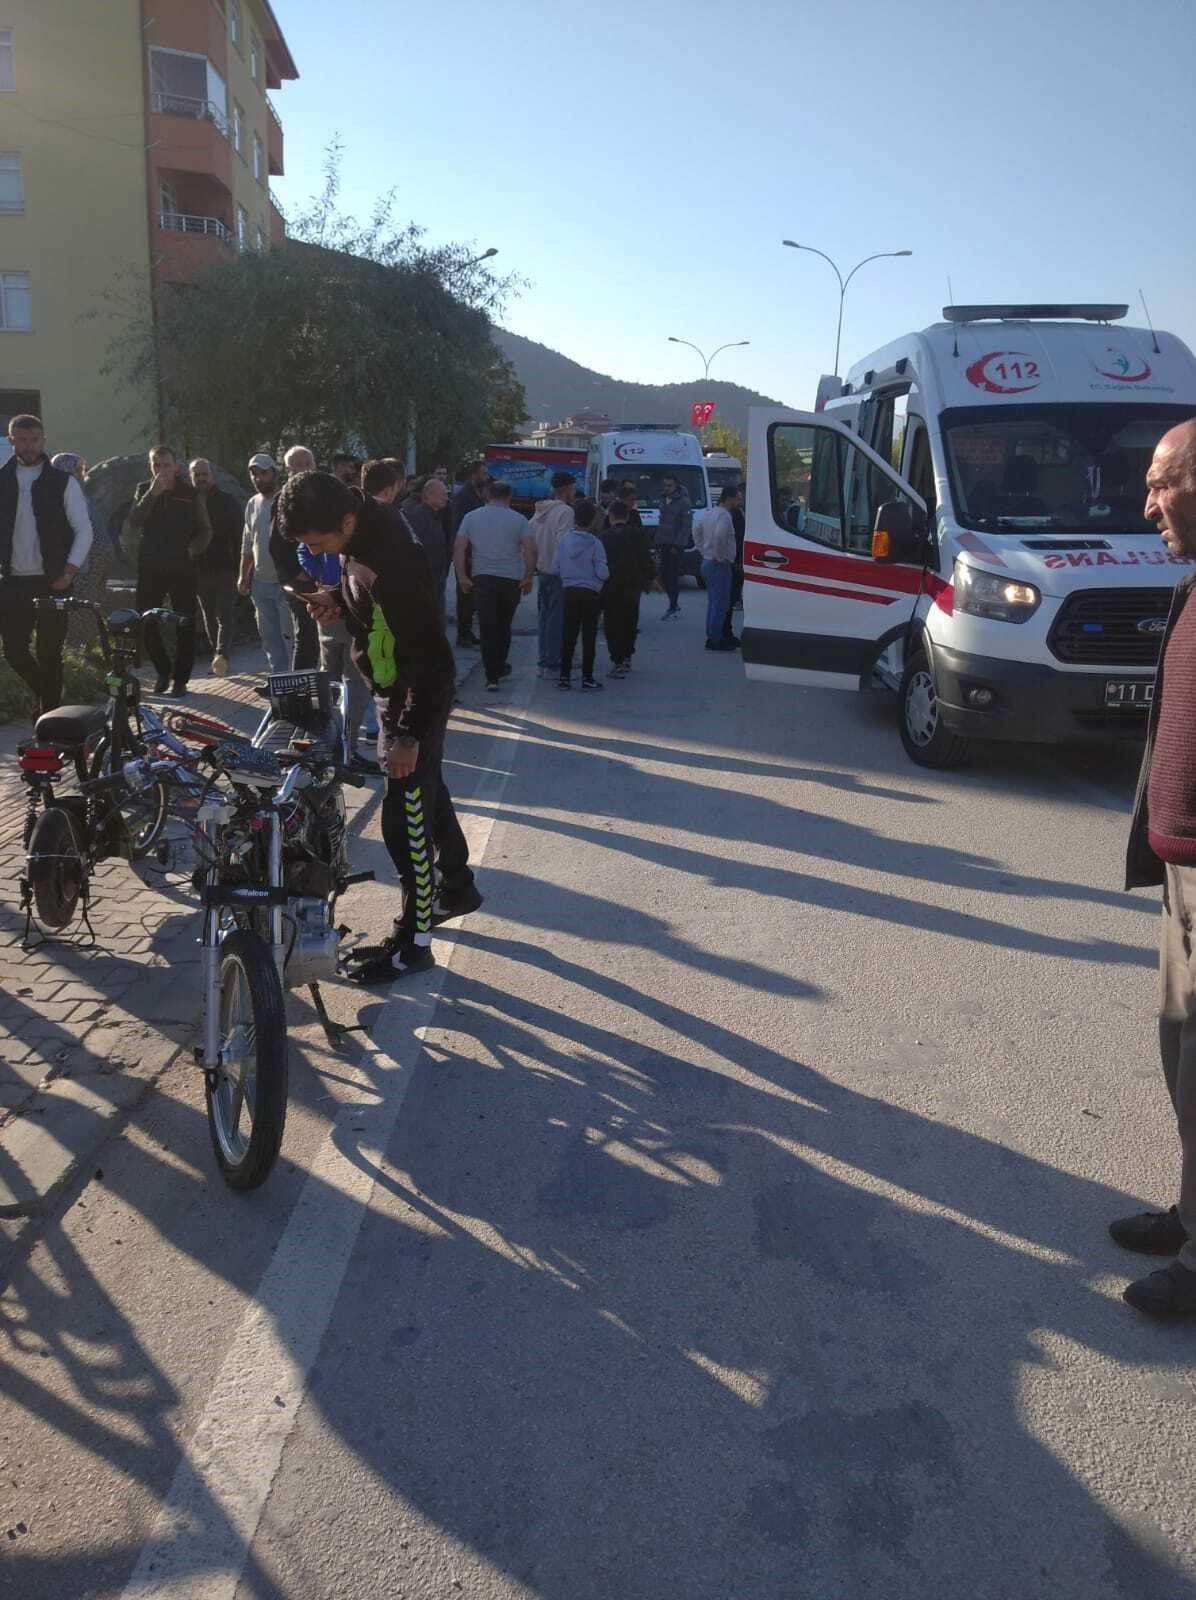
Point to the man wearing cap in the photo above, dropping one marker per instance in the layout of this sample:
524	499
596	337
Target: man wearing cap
172	518
45	536
259	578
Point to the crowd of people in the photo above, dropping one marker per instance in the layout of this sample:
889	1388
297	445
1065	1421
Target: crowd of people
347	570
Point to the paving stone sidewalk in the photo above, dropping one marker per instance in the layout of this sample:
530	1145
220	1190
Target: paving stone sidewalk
85	1029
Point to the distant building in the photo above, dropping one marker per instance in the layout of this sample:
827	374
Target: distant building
140	144
574	433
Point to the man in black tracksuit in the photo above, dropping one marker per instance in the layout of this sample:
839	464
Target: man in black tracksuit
389	601
175	531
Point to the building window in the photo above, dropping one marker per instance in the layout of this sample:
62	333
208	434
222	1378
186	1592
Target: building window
8	77
238	129
183	84
234	22
259	159
168	198
255	56
242	228
260	237
16	312
12	190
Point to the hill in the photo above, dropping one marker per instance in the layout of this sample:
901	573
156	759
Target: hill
557	386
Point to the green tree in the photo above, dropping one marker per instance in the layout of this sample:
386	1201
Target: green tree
345	334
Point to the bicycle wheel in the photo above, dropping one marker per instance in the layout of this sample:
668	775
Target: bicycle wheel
56	869
247	1102
143	812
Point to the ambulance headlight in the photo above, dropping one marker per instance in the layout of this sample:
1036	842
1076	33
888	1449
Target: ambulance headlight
987	594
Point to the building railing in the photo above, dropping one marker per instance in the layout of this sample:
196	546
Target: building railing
276	203
182	222
273	113
184	105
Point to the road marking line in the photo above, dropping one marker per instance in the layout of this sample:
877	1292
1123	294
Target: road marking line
205	1528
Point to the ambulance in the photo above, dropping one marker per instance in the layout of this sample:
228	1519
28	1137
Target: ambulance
644	454
961	522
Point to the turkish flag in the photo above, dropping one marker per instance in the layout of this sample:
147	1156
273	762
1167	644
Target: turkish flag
701	412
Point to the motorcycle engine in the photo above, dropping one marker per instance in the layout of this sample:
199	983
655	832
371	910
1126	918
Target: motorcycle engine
313	953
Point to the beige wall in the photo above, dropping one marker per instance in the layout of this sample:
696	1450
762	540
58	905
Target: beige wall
77	118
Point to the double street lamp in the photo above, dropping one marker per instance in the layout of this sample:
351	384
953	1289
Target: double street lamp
843	281
707	359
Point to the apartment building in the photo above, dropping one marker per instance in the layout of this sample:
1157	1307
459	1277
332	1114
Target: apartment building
137	144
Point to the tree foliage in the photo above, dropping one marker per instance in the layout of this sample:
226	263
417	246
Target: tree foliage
347	335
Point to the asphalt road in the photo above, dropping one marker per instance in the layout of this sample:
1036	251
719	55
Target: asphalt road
724	1222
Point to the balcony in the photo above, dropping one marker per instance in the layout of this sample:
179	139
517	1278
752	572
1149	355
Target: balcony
182	105
273	113
183	222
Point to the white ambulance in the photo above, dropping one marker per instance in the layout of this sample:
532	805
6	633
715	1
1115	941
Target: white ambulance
1004	580
644	454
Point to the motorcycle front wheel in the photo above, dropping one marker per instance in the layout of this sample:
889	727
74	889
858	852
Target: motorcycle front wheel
247	1093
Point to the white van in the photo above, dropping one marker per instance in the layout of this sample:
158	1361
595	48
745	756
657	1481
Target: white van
1004	581
644	454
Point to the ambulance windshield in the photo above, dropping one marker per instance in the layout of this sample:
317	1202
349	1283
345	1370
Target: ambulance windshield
647	479
1080	468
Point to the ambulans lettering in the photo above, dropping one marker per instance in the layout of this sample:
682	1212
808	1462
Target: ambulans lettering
1130	558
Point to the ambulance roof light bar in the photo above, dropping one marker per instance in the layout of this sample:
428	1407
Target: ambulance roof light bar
1034	313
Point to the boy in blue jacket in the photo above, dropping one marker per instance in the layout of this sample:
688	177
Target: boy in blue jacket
580	563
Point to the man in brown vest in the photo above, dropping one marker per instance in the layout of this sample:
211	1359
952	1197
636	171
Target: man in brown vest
1163	851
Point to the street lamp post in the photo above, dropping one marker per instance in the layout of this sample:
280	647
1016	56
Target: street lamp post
707	359
485	256
843	281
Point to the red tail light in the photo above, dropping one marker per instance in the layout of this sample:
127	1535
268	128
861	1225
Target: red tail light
40	758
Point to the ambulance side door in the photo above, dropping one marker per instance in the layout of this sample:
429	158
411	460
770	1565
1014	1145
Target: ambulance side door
817	607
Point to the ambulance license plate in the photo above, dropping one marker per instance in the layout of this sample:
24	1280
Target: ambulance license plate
1129	692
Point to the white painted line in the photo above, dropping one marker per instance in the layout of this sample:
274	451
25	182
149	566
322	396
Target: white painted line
205	1528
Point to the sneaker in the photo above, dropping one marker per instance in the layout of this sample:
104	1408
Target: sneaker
219	666
564	683
394	961
178	691
730	641
452	903
505	670
363	765
492	688
161	685
1170	1292
617	671
468	642
1150	1233
673	611
592	683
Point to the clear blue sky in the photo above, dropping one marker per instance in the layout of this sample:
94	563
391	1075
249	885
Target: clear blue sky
640	161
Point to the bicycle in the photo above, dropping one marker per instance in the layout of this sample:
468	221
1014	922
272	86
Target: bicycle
67	835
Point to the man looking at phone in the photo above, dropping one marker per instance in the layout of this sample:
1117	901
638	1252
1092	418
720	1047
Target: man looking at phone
388	599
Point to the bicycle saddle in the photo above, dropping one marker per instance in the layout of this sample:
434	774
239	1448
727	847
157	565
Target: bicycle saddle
67	725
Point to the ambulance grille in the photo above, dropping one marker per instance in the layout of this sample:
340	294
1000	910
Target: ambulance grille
1102	627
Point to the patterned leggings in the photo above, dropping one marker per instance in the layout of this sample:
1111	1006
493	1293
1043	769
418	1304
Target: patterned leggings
421	831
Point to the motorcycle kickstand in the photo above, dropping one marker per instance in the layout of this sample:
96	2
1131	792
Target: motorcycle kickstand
334	1032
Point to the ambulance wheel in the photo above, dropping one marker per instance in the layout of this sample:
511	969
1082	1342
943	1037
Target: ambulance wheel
927	742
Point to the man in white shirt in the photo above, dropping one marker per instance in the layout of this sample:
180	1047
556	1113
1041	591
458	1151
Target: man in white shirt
714	536
259	578
45	537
